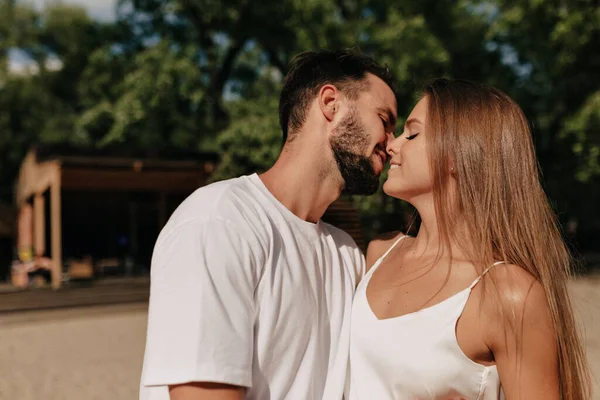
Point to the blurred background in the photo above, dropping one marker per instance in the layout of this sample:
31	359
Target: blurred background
113	111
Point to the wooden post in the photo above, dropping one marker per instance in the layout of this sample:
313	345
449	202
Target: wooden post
39	224
56	225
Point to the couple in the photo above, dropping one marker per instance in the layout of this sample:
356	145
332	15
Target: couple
254	297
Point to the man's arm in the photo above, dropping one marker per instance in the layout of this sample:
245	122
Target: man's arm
206	391
201	312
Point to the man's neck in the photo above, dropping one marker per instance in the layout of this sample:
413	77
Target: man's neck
303	185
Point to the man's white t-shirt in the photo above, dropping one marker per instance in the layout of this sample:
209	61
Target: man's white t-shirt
246	293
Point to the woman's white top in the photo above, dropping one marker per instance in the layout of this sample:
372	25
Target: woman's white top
414	356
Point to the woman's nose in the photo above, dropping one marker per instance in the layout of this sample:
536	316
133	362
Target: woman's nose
393	146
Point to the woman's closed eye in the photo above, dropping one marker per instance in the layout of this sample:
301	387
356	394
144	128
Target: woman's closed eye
412	136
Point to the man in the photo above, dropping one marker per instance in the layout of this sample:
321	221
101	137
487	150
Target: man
251	292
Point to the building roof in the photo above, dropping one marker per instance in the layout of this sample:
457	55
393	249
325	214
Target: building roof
112	168
122	156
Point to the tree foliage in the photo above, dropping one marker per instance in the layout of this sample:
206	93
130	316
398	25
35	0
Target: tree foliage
205	75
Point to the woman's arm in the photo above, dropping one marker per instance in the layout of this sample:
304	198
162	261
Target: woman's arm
524	343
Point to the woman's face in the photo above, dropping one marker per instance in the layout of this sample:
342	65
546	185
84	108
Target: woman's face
410	175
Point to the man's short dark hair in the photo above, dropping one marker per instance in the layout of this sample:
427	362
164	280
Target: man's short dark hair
309	71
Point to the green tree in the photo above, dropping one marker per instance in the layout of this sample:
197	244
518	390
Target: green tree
238	41
40	103
206	75
555	46
156	100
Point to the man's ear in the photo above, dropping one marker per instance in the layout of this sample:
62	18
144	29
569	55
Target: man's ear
329	98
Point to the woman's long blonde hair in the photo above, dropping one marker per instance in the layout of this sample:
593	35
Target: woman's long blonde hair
485	136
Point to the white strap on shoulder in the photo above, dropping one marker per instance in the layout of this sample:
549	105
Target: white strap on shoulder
392	247
485	272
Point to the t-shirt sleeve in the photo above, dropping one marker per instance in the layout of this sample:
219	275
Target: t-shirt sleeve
360	264
201	311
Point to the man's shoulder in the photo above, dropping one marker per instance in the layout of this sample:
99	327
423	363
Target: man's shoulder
351	252
233	203
217	200
217	213
219	193
341	237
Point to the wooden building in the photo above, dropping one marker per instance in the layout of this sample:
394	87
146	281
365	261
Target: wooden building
110	205
86	200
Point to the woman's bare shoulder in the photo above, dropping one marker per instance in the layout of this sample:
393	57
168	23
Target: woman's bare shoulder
517	299
379	245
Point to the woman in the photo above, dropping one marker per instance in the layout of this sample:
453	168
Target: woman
476	305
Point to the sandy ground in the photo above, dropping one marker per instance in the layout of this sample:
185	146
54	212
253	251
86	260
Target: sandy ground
96	353
78	354
585	293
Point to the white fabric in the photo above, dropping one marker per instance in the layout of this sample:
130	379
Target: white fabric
244	292
414	356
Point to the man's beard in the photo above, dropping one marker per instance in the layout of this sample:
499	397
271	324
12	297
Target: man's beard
347	143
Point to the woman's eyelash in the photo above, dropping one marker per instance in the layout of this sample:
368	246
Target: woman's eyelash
411	137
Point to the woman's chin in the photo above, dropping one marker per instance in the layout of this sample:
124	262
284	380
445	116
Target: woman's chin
391	189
